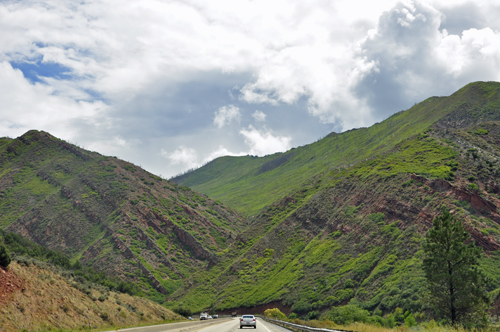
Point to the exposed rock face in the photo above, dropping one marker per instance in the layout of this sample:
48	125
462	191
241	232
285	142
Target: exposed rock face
114	215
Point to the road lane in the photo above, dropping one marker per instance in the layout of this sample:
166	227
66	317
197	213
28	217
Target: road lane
222	325
177	327
269	327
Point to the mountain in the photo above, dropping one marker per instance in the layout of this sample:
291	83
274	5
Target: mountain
341	220
110	214
249	184
338	221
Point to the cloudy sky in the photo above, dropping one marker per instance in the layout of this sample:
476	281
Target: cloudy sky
170	85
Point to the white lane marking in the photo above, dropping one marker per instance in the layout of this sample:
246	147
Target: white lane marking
211	325
265	327
169	325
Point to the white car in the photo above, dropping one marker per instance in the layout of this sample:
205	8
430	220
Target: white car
209	317
248	320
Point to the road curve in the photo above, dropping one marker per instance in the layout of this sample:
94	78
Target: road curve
216	325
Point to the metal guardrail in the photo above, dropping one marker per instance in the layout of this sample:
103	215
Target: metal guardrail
298	327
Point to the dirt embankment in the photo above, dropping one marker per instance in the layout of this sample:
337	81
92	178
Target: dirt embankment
34	298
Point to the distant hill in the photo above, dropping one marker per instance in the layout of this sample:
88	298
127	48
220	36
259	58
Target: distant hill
110	214
249	184
342	220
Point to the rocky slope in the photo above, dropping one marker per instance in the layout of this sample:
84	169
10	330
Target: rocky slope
109	213
352	233
338	221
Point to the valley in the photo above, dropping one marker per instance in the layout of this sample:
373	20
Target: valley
339	221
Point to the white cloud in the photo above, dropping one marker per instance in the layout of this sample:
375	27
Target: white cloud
225	115
182	155
259	142
262	143
413	58
475	50
221	152
259	116
347	62
28	106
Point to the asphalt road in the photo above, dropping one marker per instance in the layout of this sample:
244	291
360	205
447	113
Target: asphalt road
213	325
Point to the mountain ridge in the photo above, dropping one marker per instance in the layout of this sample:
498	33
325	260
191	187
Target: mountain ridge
233	179
337	221
109	213
352	233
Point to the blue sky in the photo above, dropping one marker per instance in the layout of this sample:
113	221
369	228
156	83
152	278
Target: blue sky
170	85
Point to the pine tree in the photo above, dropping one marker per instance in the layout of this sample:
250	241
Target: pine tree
4	257
456	284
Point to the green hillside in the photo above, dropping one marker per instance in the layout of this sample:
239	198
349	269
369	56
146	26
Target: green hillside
248	184
110	214
351	232
338	221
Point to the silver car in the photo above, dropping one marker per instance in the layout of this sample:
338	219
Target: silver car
248	320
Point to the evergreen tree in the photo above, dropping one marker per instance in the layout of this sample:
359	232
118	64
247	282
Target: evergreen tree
456	284
4	257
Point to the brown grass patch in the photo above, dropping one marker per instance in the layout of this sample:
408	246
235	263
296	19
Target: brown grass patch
41	299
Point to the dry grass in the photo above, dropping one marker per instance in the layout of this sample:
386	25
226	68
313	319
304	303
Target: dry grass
362	327
49	301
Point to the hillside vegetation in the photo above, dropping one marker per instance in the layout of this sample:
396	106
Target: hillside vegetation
35	296
346	226
110	214
248	184
337	222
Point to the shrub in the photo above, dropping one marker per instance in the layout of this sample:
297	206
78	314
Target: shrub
377	217
349	284
301	307
274	313
344	294
473	186
312	315
4	257
348	314
293	315
183	311
410	320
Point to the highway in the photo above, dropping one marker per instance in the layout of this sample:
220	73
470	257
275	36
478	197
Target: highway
213	325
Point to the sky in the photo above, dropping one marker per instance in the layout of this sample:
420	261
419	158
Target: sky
171	85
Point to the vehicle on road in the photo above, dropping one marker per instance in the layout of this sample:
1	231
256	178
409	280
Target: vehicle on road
203	316
248	320
209	317
233	314
215	316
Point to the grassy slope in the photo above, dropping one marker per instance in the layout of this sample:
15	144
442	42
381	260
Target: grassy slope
48	300
236	182
365	222
356	241
109	213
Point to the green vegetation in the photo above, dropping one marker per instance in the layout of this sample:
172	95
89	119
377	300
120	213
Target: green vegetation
334	227
457	287
274	313
424	156
95	209
4	257
26	252
246	184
